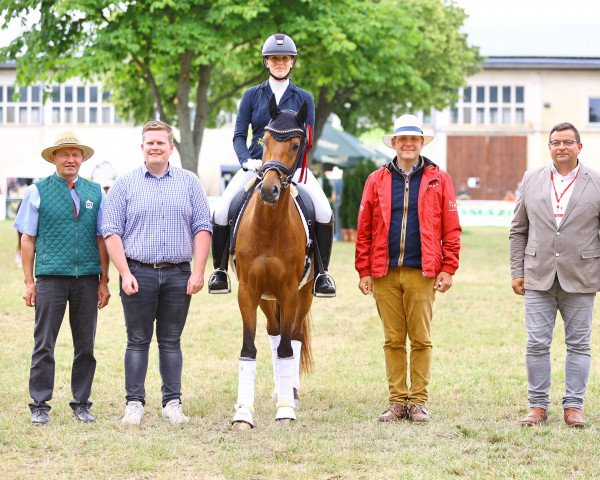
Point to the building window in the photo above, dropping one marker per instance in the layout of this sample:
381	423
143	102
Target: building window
56	94
480	94
68	94
454	115
490	105
35	94
594	110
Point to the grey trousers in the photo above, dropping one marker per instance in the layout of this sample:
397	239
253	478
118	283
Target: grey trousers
53	295
541	308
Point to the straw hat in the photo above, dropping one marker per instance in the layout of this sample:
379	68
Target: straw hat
407	125
65	140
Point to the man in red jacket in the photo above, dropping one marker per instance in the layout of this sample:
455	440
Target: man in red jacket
407	248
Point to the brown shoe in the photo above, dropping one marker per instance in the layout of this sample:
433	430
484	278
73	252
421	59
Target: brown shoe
535	416
394	413
418	413
574	417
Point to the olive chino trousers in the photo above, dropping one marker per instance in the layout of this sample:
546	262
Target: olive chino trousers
404	299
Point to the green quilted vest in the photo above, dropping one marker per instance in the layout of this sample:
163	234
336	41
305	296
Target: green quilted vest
66	245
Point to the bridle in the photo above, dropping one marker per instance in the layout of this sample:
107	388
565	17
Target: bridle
281	168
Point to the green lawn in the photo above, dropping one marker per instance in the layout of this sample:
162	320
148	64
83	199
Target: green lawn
478	392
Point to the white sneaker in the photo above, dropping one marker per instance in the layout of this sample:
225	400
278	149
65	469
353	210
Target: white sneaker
173	413
134	411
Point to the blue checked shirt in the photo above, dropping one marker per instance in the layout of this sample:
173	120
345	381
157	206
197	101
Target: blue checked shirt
157	217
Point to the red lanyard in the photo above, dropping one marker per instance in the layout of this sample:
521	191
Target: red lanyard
563	192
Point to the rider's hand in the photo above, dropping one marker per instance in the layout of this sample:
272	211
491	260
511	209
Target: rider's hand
252	165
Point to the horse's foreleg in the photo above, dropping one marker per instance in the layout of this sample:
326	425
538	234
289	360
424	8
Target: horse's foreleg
286	406
244	407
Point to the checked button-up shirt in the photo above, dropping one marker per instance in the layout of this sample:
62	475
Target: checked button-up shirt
157	217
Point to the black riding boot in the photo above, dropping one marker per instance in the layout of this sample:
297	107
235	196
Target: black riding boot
219	280
324	285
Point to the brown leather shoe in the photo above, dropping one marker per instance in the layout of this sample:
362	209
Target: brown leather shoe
535	416
418	413
394	413
574	417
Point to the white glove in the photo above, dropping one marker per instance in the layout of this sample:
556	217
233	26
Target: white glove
252	165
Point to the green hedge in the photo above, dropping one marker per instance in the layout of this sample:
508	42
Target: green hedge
354	181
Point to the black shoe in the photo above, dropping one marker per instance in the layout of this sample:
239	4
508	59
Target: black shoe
40	416
219	282
324	286
82	414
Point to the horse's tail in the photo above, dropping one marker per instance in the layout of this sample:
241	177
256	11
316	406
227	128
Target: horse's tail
306	358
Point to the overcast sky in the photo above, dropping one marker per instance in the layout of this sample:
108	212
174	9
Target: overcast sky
534	27
561	28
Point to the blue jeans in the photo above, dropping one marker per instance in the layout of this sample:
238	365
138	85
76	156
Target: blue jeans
162	297
53	292
540	316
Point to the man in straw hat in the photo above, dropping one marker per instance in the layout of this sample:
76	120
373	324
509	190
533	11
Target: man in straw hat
60	219
407	249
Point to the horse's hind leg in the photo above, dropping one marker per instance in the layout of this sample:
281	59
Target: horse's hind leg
244	407
286	407
272	312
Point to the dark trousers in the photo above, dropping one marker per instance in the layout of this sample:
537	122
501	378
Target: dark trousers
162	297
52	295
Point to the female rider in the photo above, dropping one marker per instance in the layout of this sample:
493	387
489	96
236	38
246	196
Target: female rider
279	55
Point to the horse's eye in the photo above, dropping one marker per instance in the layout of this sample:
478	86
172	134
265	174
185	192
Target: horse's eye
296	146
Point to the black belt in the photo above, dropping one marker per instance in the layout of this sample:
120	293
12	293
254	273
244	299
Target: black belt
158	264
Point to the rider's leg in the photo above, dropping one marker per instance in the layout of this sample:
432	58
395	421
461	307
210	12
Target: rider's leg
324	284
219	280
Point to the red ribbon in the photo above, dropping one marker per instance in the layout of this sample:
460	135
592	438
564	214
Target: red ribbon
309	139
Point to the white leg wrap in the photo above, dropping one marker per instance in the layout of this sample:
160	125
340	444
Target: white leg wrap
245	400
285	389
297	348
274	340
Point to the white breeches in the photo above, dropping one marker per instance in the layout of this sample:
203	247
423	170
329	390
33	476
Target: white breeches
323	210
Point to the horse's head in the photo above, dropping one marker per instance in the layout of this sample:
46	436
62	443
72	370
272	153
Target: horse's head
284	140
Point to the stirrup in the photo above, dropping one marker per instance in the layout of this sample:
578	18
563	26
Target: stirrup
331	288
219	282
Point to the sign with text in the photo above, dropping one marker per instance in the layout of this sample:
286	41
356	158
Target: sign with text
485	213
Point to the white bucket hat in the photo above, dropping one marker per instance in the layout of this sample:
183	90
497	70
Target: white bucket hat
407	125
65	140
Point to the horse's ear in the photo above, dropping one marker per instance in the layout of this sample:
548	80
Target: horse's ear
273	108
302	113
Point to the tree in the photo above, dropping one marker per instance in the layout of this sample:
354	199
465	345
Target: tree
378	60
190	59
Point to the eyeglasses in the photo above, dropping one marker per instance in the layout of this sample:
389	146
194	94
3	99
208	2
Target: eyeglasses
558	143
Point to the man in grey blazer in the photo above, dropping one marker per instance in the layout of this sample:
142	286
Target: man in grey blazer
555	264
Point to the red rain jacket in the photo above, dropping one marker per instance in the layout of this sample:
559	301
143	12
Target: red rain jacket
438	223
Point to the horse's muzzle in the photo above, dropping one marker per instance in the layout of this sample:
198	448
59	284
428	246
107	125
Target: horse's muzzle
270	192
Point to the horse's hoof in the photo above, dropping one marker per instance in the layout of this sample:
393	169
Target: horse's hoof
285	413
241	426
285	421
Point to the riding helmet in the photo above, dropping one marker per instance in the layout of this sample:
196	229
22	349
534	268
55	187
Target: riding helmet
279	44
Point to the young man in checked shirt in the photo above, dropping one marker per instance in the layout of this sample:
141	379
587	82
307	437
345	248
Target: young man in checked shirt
157	218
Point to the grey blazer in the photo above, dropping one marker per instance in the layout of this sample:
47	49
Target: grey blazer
540	251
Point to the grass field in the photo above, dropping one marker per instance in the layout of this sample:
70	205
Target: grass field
477	395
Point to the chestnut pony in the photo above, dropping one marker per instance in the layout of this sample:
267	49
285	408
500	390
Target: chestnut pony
270	254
